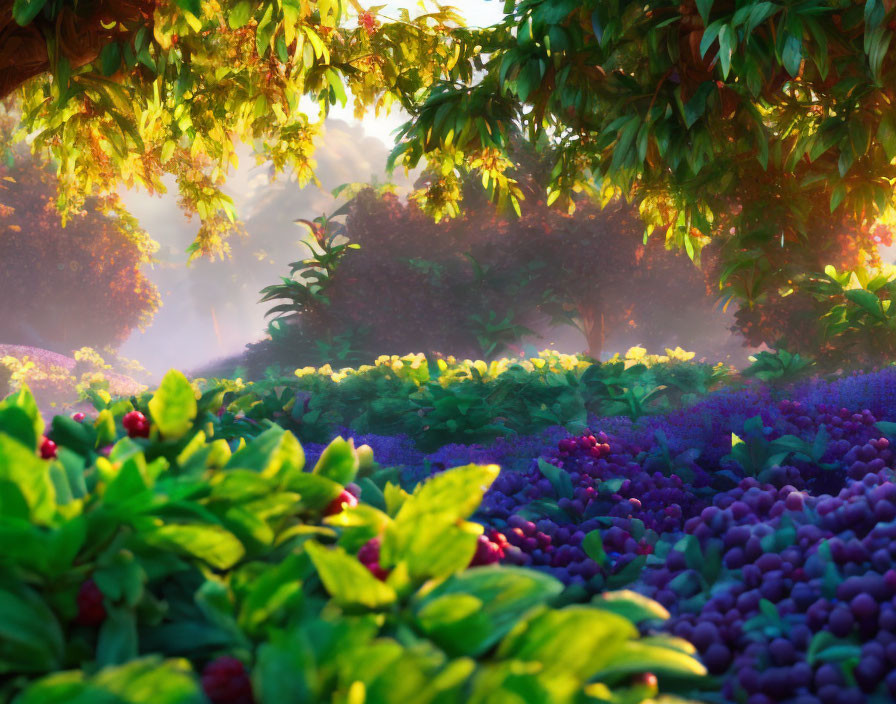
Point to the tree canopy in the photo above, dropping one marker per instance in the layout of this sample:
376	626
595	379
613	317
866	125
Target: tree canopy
129	91
750	121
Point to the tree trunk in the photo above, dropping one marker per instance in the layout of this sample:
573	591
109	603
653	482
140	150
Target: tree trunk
593	327
23	50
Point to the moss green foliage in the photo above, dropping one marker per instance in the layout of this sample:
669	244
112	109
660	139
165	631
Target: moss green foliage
203	545
439	401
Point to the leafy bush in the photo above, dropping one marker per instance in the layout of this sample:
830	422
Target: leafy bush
142	546
778	367
441	401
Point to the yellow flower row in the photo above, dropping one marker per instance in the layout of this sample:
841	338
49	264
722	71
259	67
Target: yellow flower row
414	367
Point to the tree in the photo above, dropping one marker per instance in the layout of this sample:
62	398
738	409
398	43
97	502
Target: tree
746	122
72	287
128	91
474	286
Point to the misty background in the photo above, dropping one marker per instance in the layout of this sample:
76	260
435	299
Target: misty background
210	309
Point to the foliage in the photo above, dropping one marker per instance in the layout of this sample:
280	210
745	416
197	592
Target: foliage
479	285
841	319
200	546
309	296
763	126
779	366
67	287
140	90
440	401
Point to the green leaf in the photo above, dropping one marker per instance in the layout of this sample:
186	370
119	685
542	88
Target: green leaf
867	301
574	642
468	613
316	491
273	595
67	432
110	58
339	461
634	657
837	196
30	636
593	545
696	106
349	582
631	605
117	640
173	406
558	477
792	54
28	476
16	423
194	7
274	453
24	400
145	681
210	543
24	11
703	7
240	14
727	43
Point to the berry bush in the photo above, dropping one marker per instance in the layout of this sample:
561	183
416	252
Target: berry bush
152	554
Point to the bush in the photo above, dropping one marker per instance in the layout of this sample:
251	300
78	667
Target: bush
129	569
440	401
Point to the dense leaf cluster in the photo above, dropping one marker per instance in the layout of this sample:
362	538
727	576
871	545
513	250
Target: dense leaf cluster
135	559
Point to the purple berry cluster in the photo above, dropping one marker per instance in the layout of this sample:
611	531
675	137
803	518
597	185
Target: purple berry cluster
785	582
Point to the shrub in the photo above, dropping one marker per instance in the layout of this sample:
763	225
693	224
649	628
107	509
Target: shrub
440	401
136	567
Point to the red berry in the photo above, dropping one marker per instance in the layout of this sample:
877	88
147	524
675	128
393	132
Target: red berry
225	681
345	500
487	552
369	556
91	611
136	424
48	449
78	417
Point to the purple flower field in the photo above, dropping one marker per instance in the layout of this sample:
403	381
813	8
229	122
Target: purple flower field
764	526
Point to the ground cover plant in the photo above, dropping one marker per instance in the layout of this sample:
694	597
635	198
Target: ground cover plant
148	558
437	401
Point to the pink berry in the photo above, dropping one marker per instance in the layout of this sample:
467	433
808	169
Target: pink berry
78	417
369	556
487	552
136	424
